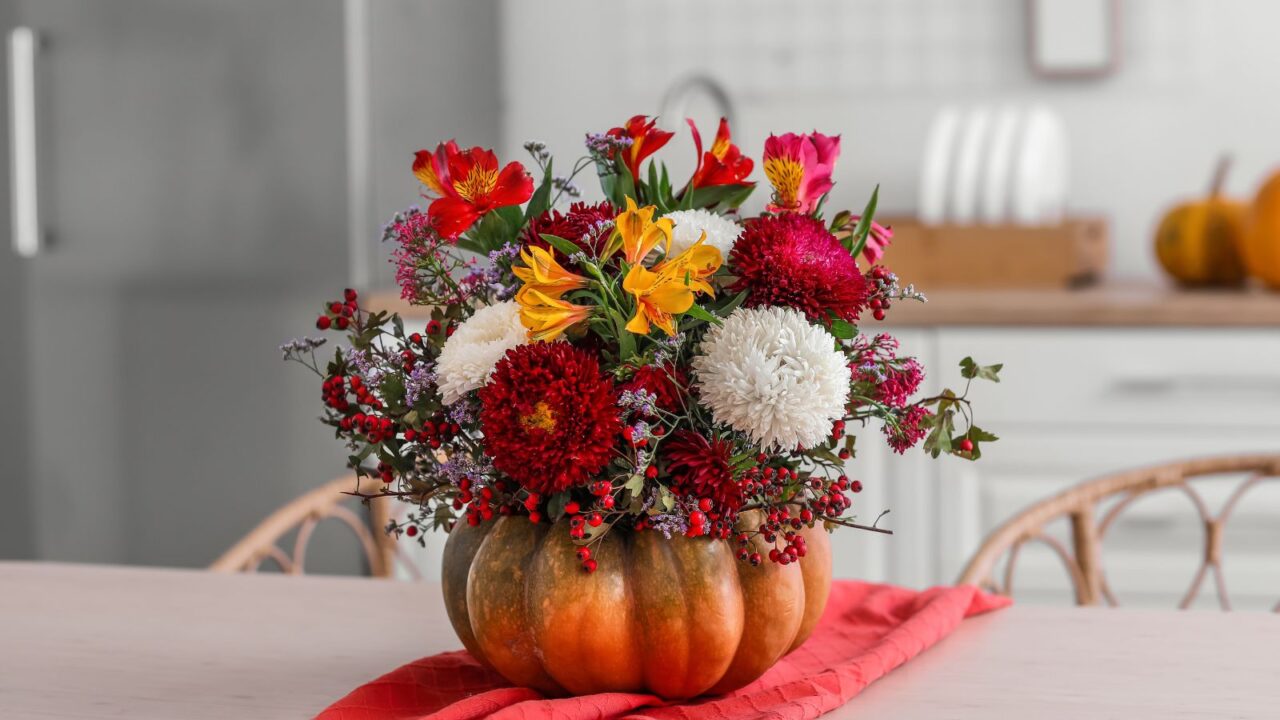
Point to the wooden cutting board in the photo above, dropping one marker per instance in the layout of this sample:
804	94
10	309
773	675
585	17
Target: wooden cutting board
1071	254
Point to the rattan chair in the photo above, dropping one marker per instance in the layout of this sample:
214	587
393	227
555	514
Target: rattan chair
1080	506
301	516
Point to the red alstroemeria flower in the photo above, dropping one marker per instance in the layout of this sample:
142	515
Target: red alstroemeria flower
468	185
723	163
799	167
646	139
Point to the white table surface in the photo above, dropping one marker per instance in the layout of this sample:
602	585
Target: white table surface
82	641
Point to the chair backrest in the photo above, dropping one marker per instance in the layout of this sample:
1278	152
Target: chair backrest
301	516
1079	505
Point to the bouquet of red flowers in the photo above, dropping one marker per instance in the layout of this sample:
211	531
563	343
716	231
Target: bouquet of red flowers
653	361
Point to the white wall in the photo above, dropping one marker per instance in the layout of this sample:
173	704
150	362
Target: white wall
1198	77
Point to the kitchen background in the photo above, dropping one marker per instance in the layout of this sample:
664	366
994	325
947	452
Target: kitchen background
210	170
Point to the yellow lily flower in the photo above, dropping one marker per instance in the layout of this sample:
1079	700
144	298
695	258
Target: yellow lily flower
697	263
541	271
640	233
548	317
669	288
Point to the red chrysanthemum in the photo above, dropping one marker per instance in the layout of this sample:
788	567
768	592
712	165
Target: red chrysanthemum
669	383
549	416
792	260
585	225
699	468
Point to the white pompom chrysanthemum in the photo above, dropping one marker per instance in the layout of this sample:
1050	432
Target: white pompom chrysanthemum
468	356
771	374
721	232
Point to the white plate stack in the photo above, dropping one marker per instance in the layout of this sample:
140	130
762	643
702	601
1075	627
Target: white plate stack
994	165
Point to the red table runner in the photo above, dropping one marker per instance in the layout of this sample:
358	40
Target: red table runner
866	631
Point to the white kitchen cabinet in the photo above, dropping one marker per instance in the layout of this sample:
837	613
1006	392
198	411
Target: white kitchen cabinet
1075	403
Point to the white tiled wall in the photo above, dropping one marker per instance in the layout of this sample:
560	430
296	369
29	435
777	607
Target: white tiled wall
1198	77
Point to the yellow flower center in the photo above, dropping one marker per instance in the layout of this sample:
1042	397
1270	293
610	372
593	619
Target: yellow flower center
720	147
542	418
478	183
784	174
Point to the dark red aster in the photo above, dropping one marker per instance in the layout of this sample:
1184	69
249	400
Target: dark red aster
549	416
585	225
792	260
669	383
699	468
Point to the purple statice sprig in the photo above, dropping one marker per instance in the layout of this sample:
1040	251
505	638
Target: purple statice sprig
418	383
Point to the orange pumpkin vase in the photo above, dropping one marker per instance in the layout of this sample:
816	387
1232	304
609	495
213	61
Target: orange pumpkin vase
677	618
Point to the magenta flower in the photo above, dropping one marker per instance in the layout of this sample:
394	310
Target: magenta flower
877	240
799	168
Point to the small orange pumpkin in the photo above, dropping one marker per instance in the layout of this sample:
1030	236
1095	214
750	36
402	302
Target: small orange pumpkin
1198	243
1261	245
676	618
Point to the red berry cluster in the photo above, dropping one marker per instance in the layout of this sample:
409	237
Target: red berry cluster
482	504
375	429
434	433
880	283
334	392
339	312
386	472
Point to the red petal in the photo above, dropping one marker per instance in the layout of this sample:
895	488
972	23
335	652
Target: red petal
514	186
697	148
452	216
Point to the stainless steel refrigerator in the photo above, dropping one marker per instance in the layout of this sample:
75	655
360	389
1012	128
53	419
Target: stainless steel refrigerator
187	181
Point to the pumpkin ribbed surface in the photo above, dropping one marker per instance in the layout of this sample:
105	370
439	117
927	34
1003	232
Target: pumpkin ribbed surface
1261	245
1199	243
677	618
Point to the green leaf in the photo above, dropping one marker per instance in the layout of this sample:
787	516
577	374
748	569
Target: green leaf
842	329
634	484
970	370
697	311
827	455
727	308
625	188
665	498
977	434
840	220
858	240
541	200
559	243
555	505
939	438
710	197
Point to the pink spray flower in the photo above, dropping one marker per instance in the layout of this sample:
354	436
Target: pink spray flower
799	168
877	240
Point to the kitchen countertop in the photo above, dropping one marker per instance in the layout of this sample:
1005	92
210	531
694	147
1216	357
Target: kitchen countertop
1133	304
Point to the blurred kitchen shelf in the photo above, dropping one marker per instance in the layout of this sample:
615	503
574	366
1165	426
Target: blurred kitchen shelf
1136	304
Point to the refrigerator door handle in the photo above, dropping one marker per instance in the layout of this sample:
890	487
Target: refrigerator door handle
25	208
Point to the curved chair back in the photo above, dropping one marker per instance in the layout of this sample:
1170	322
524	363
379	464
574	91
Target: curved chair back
301	516
1079	505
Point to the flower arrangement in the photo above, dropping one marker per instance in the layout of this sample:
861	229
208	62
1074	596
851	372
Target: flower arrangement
654	362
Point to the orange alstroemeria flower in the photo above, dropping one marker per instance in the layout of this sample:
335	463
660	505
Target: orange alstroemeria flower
640	233
646	139
547	317
543	273
723	163
468	184
668	289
